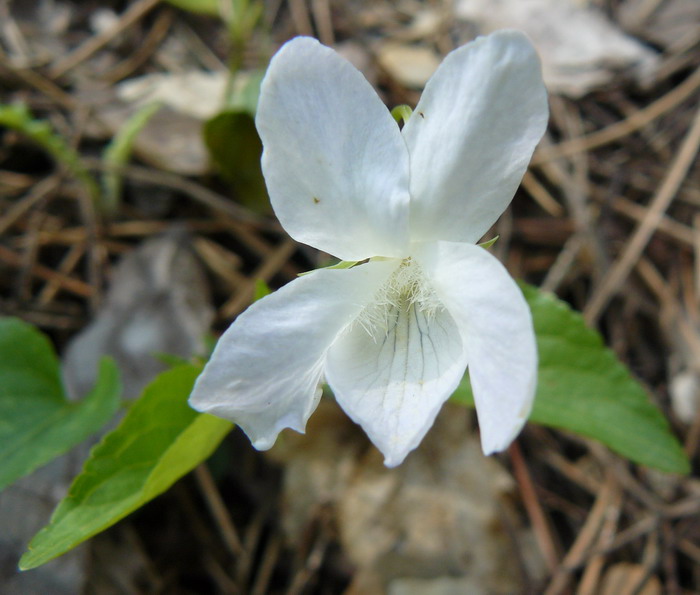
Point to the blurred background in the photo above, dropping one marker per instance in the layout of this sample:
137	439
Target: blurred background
134	221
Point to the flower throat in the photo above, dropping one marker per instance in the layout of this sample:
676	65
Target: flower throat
407	289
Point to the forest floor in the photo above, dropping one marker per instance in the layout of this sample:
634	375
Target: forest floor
607	217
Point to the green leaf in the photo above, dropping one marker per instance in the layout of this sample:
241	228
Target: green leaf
241	18
18	117
401	113
343	264
209	7
246	91
489	243
159	440
261	290
118	153
37	421
584	388
235	149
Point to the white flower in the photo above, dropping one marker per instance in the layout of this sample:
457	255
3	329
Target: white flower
393	336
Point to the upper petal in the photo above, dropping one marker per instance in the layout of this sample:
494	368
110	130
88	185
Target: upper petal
472	135
334	161
393	381
264	372
495	323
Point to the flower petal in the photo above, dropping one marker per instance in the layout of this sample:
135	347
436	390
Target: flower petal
472	135
496	327
393	383
334	161
265	370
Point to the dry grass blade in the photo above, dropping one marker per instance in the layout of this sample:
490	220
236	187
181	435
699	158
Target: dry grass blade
541	195
43	85
608	498
45	273
618	273
540	523
590	581
194	190
135	12
667	226
272	264
301	18
267	566
66	266
153	39
39	192
219	511
621	129
322	17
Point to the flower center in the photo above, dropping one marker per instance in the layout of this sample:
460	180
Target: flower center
407	289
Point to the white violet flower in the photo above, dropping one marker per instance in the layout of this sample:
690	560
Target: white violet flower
391	336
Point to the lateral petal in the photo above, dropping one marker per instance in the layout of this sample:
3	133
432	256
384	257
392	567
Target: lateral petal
334	161
495	323
393	382
472	135
265	370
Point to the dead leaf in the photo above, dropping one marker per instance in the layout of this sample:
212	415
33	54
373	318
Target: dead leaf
625	578
685	395
409	65
197	93
439	514
670	24
158	303
170	140
445	585
580	48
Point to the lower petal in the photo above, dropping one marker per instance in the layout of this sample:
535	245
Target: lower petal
265	370
495	323
393	381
